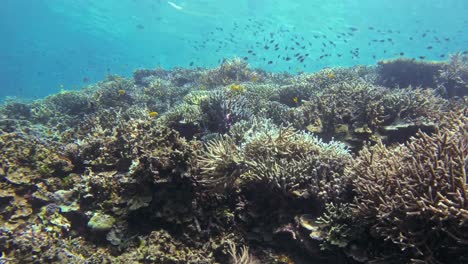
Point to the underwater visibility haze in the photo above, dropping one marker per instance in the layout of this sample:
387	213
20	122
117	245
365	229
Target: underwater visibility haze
50	45
250	131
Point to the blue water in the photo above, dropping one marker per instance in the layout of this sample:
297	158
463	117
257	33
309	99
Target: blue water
50	45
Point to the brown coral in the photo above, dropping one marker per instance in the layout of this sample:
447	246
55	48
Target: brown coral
417	195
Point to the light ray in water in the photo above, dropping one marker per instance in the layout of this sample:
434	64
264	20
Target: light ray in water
174	5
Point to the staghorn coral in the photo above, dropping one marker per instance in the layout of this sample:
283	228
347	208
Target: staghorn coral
243	257
296	163
221	163
452	79
415	195
357	112
282	158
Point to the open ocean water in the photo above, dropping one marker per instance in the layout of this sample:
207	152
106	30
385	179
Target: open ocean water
50	45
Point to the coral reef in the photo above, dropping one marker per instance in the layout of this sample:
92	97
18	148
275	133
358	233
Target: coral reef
238	165
404	72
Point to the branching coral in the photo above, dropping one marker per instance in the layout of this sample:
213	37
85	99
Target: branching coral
221	163
416	195
243	257
297	163
453	77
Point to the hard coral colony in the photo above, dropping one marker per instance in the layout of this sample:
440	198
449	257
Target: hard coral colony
345	165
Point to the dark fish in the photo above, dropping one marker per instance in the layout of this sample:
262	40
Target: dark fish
249	51
402	53
140	26
270	62
442	55
422	57
410	38
424	35
85	79
353	28
246	58
429	47
191	63
371	28
288	59
266	47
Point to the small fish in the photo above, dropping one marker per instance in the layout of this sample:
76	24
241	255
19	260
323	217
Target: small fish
140	26
270	62
295	99
153	114
429	47
402	53
422	57
191	63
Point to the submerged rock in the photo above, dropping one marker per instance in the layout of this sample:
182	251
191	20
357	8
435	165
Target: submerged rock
101	222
